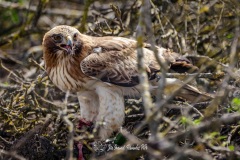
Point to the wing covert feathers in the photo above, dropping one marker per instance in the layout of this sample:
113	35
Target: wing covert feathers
114	60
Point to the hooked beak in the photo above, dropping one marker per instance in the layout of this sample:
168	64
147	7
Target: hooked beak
69	41
69	45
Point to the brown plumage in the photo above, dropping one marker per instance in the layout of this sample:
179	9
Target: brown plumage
104	69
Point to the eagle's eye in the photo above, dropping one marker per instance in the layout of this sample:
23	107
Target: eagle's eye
75	36
57	38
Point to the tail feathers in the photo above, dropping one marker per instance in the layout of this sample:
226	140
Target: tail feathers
185	92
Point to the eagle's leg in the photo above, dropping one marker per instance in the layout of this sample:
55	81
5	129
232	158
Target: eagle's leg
111	110
88	101
89	109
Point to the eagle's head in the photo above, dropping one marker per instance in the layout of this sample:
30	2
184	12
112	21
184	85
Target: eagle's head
62	40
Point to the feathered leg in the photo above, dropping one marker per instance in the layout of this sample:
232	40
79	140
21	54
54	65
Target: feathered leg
111	111
89	103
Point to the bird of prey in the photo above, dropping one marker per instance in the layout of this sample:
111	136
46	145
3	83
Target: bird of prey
102	70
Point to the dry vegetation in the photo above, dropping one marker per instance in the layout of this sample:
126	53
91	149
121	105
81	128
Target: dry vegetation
38	121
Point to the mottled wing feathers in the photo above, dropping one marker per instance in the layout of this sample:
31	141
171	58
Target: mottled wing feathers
113	61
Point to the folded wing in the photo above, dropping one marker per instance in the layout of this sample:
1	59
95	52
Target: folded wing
114	60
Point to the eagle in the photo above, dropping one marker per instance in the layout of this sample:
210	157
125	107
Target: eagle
103	70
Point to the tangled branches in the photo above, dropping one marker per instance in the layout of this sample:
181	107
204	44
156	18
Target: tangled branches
38	121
